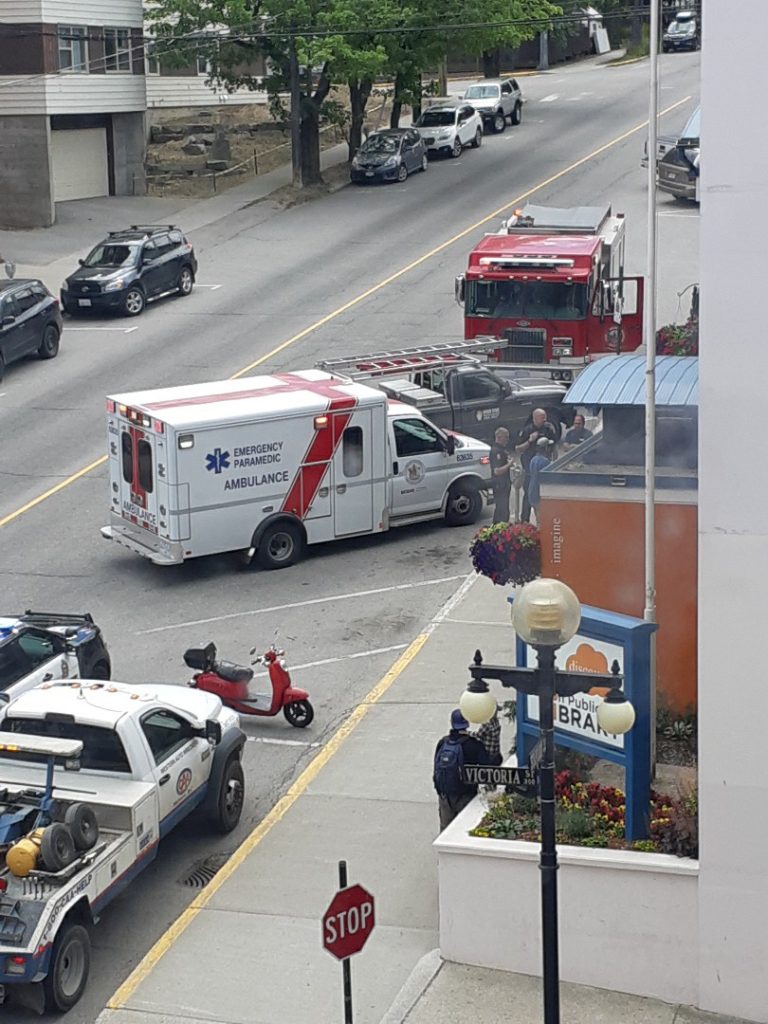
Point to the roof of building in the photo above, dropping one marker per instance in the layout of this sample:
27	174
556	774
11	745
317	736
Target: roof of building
620	380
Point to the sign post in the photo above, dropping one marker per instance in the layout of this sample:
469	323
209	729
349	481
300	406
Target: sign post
347	924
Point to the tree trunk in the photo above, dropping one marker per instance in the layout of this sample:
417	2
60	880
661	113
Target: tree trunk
359	94
636	31
309	136
492	63
397	101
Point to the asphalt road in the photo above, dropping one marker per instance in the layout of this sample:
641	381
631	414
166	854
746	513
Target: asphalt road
376	265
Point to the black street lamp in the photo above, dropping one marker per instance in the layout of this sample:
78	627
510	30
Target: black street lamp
546	614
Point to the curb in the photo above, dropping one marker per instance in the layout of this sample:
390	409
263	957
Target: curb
417	983
622	62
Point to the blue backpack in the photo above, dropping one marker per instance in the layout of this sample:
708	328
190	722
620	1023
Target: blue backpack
449	760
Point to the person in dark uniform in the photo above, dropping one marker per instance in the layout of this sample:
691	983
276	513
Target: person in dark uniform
501	482
526	447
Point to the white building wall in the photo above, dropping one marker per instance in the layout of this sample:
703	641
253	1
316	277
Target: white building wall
191	91
120	13
72	94
733	517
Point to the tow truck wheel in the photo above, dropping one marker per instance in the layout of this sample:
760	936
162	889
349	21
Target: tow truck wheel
70	966
464	505
230	805
280	546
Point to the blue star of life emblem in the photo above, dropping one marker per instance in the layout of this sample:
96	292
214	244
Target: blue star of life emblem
217	460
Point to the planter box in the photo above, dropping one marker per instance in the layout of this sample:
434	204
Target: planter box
628	921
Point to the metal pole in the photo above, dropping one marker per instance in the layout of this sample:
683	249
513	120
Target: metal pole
543	51
293	66
346	969
649	611
548	856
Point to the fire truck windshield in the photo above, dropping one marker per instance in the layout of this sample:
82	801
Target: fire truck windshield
537	300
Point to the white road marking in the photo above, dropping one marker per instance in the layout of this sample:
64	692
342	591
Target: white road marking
343	657
551	98
210	287
284	743
122	330
687	216
300	604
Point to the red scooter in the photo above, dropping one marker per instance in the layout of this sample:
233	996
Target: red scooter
230	682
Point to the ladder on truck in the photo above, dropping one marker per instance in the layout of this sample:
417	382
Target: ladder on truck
408	360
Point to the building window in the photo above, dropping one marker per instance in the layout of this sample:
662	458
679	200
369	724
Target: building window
73	48
153	61
117	49
203	65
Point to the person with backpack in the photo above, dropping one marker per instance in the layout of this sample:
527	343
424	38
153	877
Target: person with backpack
451	754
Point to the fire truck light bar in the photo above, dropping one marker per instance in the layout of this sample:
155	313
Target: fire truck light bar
524	261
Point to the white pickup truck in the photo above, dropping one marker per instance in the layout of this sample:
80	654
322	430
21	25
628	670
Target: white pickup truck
92	776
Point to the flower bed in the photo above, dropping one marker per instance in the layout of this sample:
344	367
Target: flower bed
589	814
507	553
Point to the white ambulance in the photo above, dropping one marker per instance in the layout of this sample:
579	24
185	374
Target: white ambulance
268	464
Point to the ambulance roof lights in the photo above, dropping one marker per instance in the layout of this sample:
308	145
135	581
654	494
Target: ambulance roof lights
186	441
321	422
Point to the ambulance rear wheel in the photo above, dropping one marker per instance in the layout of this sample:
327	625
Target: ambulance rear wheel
280	546
464	505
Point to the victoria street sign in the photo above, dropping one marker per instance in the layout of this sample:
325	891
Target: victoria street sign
347	924
491	775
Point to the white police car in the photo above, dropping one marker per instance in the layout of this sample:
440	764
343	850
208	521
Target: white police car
37	647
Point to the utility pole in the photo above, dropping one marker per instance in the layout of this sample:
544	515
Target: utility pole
442	77
649	611
543	51
293	64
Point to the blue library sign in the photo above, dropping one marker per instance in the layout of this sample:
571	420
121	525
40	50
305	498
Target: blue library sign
603	638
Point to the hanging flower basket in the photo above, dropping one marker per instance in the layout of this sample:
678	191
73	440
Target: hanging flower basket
678	339
507	553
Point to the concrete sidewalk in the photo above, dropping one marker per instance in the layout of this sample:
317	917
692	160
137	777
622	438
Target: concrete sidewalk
51	253
248	951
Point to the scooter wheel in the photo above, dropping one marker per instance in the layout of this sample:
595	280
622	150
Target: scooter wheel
300	713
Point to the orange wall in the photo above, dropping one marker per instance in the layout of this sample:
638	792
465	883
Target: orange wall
596	547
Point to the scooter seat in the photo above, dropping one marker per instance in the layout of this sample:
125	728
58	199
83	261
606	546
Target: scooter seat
233	673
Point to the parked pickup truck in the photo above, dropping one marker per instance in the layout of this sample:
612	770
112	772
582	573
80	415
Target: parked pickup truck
92	776
456	391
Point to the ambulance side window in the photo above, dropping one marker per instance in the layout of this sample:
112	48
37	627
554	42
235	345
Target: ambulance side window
352	451
126	444
145	466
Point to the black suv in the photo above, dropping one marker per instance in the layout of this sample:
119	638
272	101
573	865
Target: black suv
129	269
30	321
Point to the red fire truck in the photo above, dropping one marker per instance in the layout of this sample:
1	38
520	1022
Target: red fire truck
550	285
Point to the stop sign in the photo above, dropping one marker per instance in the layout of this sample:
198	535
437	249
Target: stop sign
348	922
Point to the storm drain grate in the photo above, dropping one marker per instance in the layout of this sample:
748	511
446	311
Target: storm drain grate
202	871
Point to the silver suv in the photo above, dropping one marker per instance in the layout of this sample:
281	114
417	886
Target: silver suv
496	100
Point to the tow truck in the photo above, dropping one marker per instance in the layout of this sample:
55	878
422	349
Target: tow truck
451	384
93	775
550	286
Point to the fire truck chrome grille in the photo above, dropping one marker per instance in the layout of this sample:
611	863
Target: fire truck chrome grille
525	346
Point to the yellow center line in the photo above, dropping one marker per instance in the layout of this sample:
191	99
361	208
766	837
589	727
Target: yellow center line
11	516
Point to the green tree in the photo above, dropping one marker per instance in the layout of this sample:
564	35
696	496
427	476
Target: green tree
235	35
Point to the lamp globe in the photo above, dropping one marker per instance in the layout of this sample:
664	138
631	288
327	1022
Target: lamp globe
546	613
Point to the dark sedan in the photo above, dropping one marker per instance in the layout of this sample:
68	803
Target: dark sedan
30	321
389	155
